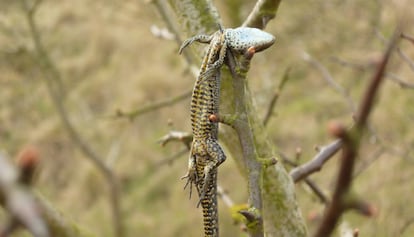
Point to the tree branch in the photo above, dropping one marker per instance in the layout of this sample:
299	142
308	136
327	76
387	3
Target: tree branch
275	96
154	106
395	78
53	81
315	189
328	78
342	198
314	165
407	37
262	13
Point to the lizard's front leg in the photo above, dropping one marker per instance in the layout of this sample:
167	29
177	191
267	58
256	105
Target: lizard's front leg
212	69
199	38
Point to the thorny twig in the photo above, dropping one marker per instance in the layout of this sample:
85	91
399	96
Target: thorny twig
53	81
342	199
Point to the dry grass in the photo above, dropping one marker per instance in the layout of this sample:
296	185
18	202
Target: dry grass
109	60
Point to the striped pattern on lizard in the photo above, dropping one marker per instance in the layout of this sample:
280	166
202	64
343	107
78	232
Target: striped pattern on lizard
206	154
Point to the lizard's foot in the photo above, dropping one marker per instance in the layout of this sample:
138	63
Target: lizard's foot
191	177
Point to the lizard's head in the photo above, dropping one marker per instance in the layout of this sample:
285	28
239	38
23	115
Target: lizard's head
242	38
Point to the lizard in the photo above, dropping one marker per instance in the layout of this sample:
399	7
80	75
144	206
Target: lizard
206	153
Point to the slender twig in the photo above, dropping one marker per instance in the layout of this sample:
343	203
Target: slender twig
405	58
328	78
275	96
317	191
314	165
164	12
311	184
53	80
262	13
351	64
407	37
166	16
224	196
391	76
407	224
402	55
154	106
183	137
373	157
342	199
402	83
162	33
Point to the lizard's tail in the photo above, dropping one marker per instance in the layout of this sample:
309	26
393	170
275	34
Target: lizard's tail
210	209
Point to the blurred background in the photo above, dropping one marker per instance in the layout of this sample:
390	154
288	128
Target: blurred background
111	63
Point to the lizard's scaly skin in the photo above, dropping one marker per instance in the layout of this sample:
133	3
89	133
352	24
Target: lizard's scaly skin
206	154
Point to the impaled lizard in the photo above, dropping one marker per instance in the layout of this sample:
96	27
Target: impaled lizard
206	154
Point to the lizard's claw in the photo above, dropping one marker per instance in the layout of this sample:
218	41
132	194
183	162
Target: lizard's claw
191	177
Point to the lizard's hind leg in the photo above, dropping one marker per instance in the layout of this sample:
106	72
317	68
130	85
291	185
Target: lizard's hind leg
217	156
191	174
